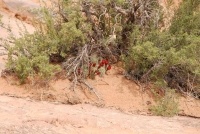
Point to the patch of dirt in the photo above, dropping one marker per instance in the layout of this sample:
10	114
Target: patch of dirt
114	91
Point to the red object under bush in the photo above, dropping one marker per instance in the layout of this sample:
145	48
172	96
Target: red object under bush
109	67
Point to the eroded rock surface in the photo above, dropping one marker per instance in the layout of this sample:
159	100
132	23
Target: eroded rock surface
21	116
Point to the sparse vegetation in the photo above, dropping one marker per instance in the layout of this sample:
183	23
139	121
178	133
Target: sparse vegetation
79	30
167	105
82	36
172	55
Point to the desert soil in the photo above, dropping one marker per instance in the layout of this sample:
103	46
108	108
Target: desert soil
24	116
122	108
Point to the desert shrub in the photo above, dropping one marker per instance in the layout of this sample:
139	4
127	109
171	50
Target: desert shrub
186	19
167	105
109	26
77	30
172	55
30	57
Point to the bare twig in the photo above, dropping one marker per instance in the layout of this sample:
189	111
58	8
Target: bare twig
156	65
90	87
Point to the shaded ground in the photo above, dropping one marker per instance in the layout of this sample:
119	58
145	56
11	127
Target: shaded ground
21	116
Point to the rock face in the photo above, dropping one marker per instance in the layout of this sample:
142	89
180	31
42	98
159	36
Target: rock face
21	116
21	4
2	3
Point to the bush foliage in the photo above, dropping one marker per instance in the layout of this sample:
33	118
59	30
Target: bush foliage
77	31
113	30
167	105
171	56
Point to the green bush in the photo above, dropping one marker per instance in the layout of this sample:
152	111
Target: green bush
172	55
76	31
29	57
167	105
186	19
110	29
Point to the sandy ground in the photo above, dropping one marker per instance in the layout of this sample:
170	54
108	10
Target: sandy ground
114	91
19	116
118	96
